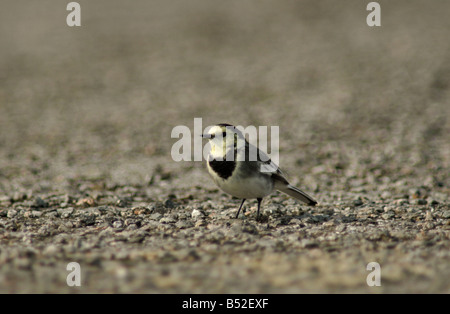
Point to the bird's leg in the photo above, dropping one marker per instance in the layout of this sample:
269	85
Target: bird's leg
240	208
259	206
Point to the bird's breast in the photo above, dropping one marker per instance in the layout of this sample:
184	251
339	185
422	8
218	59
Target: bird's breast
233	179
223	168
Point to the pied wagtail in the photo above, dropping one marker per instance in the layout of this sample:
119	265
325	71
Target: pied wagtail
236	174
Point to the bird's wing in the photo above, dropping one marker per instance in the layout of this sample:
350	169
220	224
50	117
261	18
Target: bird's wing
271	168
266	165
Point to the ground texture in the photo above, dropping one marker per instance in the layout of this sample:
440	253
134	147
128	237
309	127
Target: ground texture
86	173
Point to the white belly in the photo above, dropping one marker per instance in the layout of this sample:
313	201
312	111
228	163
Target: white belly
257	186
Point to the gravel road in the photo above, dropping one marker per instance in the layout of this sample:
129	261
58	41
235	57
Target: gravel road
86	174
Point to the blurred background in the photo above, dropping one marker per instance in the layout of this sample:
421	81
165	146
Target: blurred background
107	94
360	109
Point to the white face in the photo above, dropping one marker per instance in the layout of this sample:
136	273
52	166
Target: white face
222	139
216	130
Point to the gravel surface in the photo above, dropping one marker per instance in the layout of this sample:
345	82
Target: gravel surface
86	174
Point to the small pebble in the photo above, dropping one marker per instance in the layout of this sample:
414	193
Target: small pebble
196	214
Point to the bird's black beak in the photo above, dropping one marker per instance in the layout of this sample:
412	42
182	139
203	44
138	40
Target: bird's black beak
205	136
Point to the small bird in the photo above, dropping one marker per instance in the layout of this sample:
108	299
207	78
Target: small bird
235	173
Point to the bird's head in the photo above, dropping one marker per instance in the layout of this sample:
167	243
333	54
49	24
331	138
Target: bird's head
223	138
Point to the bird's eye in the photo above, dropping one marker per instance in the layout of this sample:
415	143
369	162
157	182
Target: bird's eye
213	136
224	134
